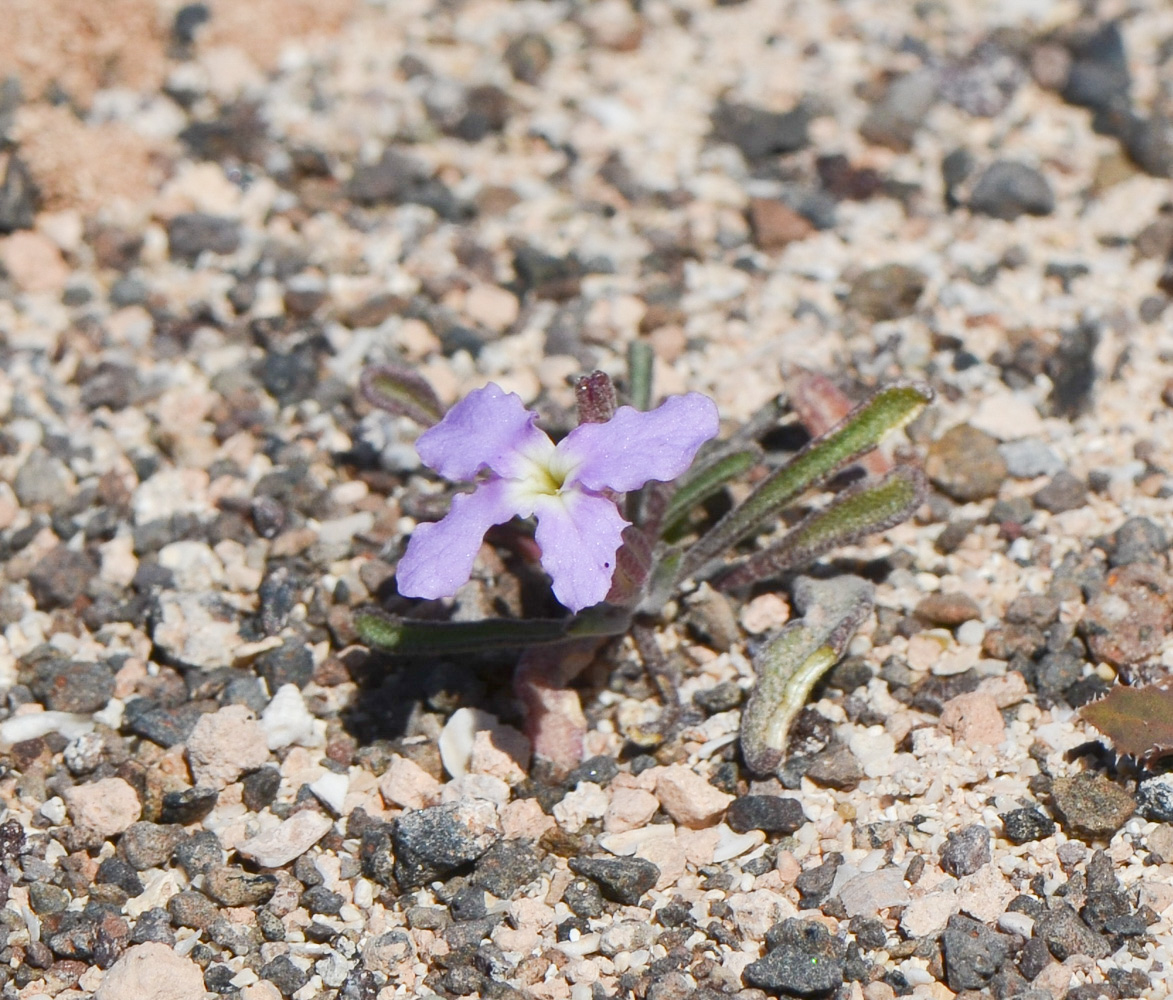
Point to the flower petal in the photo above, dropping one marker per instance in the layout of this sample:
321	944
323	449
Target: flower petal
635	446
440	555
486	428
579	534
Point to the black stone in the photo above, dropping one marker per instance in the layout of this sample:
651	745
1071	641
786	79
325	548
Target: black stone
1104	908
319	899
803	960
193	233
165	726
506	867
218	979
116	871
376	856
1099	77
1154	798
71	686
1072	371
623	880
973	953
1007	189
966	850
187	22
111	385
869	932
189	805
759	133
468	903
398	179
153	925
270	925
1064	492
770	813
1137	540
1021	826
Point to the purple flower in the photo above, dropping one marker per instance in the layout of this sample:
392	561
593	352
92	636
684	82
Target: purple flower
579	526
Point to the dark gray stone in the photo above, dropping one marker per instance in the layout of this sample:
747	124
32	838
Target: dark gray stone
894	119
966	850
1007	189
283	974
116	871
192	909
19	197
259	788
584	898
599	770
835	767
153	926
193	233
432	842
1064	492
72	686
188	805
1099	77
319	899
165	726
973	953
1066	935
965	464
290	663
46	898
507	867
759	133
623	880
814	884
149	845
60	577
1072	371
803	960
528	57
1137	540
770	813
1154	799
1022	826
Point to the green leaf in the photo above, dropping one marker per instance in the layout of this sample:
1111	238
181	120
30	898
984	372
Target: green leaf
640	359
866	426
409	637
863	509
789	666
401	391
1137	720
699	485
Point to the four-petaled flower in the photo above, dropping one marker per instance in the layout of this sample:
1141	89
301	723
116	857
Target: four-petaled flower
578	525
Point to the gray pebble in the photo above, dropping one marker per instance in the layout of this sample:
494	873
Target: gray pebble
887	292
623	880
965	464
72	686
1064	492
1025	825
973	953
1007	189
1154	798
1066	935
192	909
149	845
231	885
804	959
192	233
430	842
966	850
771	813
1028	458
1091	806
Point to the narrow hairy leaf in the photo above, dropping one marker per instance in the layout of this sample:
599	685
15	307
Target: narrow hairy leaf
789	666
698	486
409	637
1137	720
865	508
639	373
401	391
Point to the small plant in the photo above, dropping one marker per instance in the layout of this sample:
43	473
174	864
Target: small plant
1138	721
617	571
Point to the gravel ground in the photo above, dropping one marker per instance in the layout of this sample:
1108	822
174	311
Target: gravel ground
214	216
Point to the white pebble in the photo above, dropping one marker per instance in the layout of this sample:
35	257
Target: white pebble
286	720
54	810
331	789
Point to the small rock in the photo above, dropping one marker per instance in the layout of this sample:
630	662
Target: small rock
623	880
70	686
528	56
225	744
973	719
290	840
769	813
192	909
196	630
1137	540
43	480
259	788
775	224
688	798
625	936
804	960
1090	806
387	952
947	610
46	898
1072	371
865	894
814	884
19	198
836	767
198	853
283	974
60	577
433	841
107	807
148	845
965	463
231	885
286	720
1066	935
895	118
1128	620
973	953
1029	458
407	785
507	867
629	809
152	971
1099	77
1063	492
1006	190
191	234
759	133
1154	798
1025	825
966	850
887	292
188	805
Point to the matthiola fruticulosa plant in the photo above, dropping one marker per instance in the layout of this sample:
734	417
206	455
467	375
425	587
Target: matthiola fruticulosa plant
620	527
